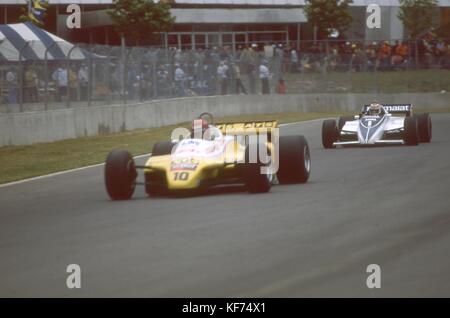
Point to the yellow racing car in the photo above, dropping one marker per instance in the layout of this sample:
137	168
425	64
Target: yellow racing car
250	153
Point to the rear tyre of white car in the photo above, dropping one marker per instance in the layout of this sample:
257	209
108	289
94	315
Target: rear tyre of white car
425	127
411	133
295	160
254	179
120	175
329	133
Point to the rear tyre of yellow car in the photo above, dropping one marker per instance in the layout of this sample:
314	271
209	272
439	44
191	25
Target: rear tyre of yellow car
255	180
162	148
120	175
295	160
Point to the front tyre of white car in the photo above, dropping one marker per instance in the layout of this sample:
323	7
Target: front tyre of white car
330	133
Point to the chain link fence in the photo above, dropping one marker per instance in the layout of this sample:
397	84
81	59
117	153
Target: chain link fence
115	75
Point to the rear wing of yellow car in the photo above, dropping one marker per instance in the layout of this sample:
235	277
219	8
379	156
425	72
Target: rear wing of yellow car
265	127
247	128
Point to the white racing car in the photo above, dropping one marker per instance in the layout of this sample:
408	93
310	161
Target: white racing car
378	124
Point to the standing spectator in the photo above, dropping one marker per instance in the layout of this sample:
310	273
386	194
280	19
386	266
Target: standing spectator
333	59
11	84
60	77
179	80
264	76
277	66
73	85
358	58
178	57
384	55
238	52
294	61
440	52
371	53
31	82
145	84
132	82
83	81
400	54
315	57
237	77
281	87
162	77
251	60
222	74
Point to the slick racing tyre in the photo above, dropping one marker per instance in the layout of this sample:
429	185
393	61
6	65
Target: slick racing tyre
329	133
254	179
162	148
120	175
153	185
295	160
343	120
411	133
425	127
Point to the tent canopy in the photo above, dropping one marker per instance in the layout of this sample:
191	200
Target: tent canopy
28	42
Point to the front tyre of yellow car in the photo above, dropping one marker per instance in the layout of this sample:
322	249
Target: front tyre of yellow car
120	175
154	185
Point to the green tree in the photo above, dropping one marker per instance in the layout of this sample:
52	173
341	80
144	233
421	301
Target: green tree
417	15
327	15
139	20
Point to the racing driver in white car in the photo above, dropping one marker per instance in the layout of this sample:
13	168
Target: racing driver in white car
375	109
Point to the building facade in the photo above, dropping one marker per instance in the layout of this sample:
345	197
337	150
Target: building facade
209	23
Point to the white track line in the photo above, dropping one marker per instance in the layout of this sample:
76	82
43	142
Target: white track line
60	173
54	174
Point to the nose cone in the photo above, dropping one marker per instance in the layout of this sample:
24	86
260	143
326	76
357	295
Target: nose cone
178	179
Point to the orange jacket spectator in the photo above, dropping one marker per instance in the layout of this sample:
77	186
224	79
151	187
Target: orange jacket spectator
402	50
385	51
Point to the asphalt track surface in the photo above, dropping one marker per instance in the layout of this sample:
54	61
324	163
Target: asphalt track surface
386	205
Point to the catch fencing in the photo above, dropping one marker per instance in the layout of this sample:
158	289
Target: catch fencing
114	75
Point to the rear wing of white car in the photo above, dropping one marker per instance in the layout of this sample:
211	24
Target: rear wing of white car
404	109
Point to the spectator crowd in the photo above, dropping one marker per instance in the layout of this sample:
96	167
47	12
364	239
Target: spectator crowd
151	73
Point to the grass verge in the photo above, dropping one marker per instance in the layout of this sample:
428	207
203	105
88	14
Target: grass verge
432	80
21	162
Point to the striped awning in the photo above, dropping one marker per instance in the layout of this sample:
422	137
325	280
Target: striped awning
25	41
